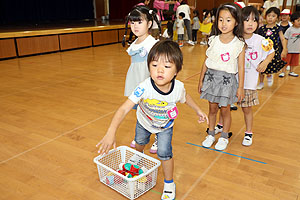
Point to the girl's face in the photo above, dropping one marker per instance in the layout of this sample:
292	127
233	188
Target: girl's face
250	24
162	71
271	18
226	22
140	28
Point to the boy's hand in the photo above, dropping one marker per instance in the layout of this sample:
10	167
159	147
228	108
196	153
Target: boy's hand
284	53
202	117
240	94
105	144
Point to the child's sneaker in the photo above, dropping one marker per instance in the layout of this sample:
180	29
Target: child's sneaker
132	144
218	129
293	74
260	86
209	140
153	148
270	80
281	75
190	42
233	107
288	68
221	144
169	191
247	141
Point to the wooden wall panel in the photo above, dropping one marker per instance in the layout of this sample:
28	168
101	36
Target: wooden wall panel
105	37
75	40
36	45
7	48
121	34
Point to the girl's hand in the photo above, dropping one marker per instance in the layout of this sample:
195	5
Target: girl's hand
105	144
199	87
262	67
284	53
240	94
202	117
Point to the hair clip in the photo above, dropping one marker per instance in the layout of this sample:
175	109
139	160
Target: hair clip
150	12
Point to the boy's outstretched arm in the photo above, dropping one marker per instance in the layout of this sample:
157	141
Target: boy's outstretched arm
110	137
190	102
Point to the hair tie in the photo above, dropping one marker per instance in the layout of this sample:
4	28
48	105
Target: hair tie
150	12
230	6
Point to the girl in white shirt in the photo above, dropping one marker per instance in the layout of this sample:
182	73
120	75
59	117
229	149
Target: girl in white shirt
225	57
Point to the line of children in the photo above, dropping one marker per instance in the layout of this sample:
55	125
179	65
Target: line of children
164	62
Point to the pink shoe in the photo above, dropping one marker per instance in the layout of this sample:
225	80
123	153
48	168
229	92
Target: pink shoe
132	144
153	149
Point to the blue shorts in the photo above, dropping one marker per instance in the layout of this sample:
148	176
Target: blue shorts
164	140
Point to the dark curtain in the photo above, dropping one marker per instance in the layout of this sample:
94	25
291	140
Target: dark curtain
119	9
37	11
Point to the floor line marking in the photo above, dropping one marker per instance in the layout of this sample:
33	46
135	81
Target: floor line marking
227	153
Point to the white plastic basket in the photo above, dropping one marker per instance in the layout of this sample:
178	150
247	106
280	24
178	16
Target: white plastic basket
131	188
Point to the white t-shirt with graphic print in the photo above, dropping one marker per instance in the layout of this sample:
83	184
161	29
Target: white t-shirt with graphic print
157	110
254	55
223	57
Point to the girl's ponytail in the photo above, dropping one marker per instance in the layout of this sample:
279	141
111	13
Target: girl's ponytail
154	16
126	27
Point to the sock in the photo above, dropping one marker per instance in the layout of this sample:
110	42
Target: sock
212	133
171	181
224	135
248	134
219	124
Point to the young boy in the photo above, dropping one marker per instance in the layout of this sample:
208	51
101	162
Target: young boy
180	28
156	98
292	35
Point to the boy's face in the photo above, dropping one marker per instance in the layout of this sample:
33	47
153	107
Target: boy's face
180	17
271	18
285	18
250	24
296	23
162	71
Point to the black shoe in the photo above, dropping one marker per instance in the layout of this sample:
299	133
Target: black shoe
233	107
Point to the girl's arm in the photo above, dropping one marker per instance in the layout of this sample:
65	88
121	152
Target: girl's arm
202	73
110	137
190	102
264	64
241	74
284	44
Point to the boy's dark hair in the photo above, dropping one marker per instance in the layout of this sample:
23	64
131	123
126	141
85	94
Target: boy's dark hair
170	25
246	12
295	16
137	14
182	14
196	12
275	10
170	50
236	13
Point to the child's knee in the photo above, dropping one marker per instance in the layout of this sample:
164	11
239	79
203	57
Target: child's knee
164	153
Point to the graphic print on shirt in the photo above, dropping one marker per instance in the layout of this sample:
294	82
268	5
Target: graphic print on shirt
138	91
160	114
225	57
269	32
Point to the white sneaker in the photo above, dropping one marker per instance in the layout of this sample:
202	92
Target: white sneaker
153	148
281	75
260	86
218	129
221	144
270	80
132	144
191	42
209	140
169	192
288	68
293	74
202	43
247	141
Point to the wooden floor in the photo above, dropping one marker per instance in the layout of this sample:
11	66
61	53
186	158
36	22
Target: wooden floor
54	108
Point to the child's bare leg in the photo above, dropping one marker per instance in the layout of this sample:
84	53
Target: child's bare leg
261	77
168	168
139	148
248	116
225	112
212	116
